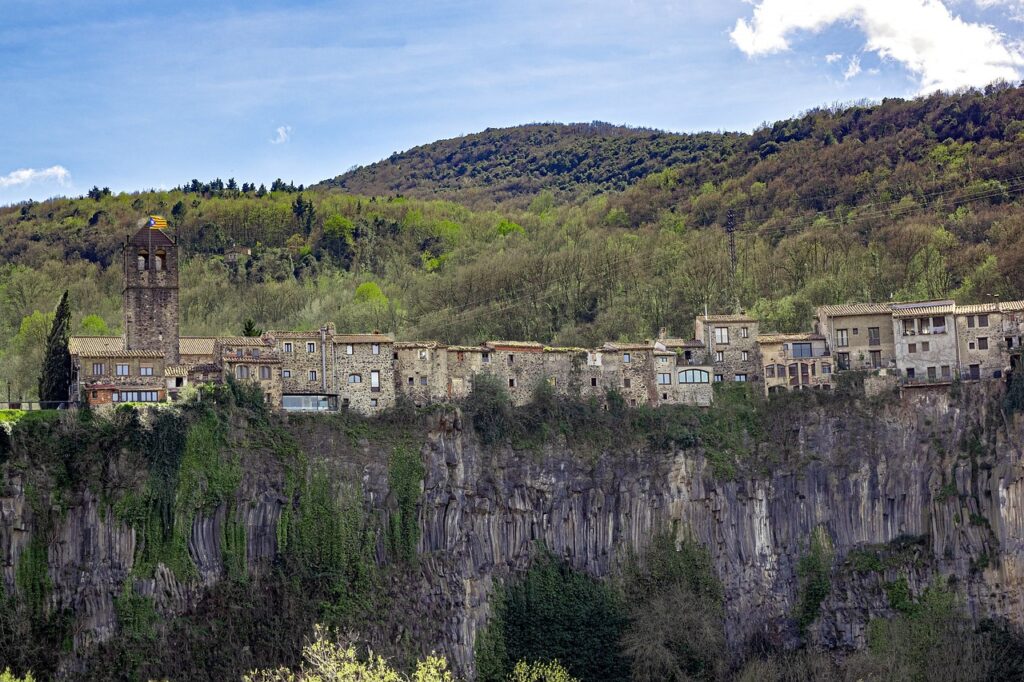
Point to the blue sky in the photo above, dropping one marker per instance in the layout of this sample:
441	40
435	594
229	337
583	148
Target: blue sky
136	95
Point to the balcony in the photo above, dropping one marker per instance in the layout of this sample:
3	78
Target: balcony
804	354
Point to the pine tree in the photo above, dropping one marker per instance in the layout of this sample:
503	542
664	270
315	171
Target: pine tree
249	328
55	379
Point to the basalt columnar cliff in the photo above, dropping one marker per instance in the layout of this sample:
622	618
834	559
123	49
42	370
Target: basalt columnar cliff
126	524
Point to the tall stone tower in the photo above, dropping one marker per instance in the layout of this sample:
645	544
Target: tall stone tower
150	294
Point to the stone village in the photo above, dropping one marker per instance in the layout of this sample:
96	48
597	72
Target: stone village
912	344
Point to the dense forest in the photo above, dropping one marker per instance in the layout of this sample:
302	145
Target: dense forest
564	234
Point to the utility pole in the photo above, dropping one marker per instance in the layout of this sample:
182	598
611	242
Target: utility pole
730	229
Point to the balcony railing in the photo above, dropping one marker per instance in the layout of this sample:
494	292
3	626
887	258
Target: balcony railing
802	354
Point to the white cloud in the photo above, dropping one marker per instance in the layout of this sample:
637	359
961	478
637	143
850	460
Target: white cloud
833	57
852	68
27	176
943	51
284	133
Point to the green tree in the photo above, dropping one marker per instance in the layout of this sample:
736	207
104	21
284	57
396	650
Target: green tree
55	380
249	328
94	325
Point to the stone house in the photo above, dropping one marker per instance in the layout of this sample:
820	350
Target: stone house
860	335
731	343
629	369
421	371
463	363
103	373
926	342
252	359
364	371
795	362
519	365
307	369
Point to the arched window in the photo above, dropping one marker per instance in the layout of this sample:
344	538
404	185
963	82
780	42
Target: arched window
355	379
143	260
159	261
694	376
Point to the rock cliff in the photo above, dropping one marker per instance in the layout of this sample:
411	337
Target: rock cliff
907	489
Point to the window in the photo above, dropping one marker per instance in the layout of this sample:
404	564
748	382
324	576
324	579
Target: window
802	350
485	358
311	346
932	374
842	338
874	336
744	355
911	347
664	379
694	376
286	374
121	370
982	343
238	353
742	378
312	375
856	331
288	347
423	381
908	327
626	357
970	345
593	381
242	372
975	372
843	360
158	261
744	333
375	348
719	356
924	325
970	321
910	372
826	368
373	402
423	354
264	372
349	349
141	262
780	371
135	396
982	320
663	359
145	371
374	380
925	346
355	379
721	335
664	396
511	358
256	353
511	383
97	368
718	377
876	358
412	382
939	324
626	383
945	372
769	372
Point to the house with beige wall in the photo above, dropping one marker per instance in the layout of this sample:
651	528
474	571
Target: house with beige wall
926	341
860	335
795	362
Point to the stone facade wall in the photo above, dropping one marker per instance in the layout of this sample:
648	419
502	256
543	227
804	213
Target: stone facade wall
421	372
629	370
740	355
363	396
297	361
150	296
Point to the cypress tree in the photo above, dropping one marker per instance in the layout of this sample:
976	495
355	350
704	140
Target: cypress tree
55	379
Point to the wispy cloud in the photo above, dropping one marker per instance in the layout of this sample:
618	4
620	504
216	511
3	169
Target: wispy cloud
916	33
27	176
284	133
852	68
833	57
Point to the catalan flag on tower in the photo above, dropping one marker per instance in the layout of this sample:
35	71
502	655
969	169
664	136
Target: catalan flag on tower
156	222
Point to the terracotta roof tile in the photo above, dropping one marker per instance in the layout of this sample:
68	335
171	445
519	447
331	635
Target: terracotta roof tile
363	338
726	318
847	309
196	345
788	338
82	345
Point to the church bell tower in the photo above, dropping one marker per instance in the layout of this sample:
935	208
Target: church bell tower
150	294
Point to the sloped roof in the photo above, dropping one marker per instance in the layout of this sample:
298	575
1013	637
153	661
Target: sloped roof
149	237
243	341
87	345
196	345
726	318
628	346
363	338
788	338
469	349
1012	306
939	308
976	308
176	371
525	345
681	343
121	354
409	345
848	309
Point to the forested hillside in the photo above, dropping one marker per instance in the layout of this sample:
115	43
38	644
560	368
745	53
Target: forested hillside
905	199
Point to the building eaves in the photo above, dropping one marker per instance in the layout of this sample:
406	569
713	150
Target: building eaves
851	309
